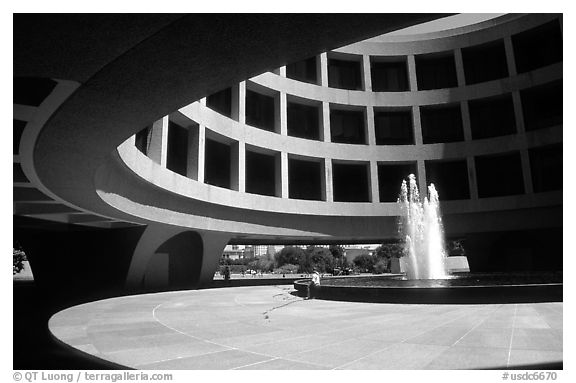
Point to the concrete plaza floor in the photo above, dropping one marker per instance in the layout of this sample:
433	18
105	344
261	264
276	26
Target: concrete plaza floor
268	327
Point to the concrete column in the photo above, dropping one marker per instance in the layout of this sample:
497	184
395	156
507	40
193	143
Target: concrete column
169	256
238	166
323	69
466	125
239	102
282	71
281	113
201	152
158	149
510	59
374	186
526	171
367	73
460	75
412	73
422	184
192	166
472	180
327	185
214	244
518	113
281	175
370	126
417	122
325	126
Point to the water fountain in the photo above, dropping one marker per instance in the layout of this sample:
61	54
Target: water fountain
425	264
421	227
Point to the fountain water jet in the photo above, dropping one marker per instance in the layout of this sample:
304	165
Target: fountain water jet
421	227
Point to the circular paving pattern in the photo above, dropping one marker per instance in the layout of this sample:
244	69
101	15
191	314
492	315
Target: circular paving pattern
268	327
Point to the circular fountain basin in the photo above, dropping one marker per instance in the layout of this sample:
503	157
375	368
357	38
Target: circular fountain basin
463	288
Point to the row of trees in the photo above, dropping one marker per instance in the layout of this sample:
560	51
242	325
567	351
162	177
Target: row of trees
292	260
380	260
297	260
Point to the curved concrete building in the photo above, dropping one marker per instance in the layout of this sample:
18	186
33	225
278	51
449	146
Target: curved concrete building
145	144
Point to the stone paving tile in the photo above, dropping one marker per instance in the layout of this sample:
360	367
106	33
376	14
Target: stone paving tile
243	341
532	358
288	347
459	358
342	353
400	356
168	330
224	360
440	336
148	355
532	321
492	338
283	364
537	339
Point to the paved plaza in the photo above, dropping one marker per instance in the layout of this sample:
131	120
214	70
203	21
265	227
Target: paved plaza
268	327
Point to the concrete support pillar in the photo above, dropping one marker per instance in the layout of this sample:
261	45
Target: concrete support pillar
282	71
325	126
510	59
158	149
323	60
460	75
193	165
169	257
466	125
367	73
472	180
417	122
370	126
374	186
238	166
213	246
412	73
281	175
201	152
281	113
526	171
422	184
327	185
239	102
518	113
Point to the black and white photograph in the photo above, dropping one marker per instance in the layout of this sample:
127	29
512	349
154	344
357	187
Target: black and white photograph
287	192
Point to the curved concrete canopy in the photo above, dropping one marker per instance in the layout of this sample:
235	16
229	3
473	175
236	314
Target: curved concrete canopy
135	71
127	74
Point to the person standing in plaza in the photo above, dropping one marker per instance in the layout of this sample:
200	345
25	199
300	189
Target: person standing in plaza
314	284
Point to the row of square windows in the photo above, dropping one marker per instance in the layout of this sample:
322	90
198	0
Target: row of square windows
532	49
491	117
496	175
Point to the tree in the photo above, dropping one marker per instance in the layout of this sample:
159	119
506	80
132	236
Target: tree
289	255
266	263
390	250
337	251
338	254
365	262
18	258
321	259
382	266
